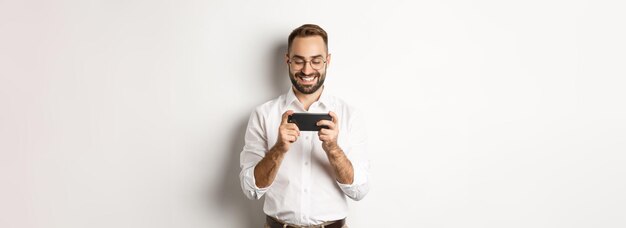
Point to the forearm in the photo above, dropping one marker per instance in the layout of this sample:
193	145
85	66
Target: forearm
265	171
341	165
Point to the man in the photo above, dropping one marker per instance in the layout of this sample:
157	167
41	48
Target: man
305	175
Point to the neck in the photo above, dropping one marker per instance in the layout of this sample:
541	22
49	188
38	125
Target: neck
307	99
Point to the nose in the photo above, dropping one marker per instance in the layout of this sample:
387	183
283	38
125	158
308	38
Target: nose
307	69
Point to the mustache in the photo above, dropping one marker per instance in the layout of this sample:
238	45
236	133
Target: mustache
300	74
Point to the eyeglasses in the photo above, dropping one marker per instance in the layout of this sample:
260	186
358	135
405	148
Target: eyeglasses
298	63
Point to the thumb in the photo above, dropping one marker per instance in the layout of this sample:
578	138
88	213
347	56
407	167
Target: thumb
334	116
286	116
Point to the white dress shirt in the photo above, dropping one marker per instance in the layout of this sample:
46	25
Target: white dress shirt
305	190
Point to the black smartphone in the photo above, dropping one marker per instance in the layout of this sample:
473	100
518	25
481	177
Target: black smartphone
308	121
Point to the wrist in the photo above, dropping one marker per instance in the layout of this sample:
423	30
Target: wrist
333	149
280	147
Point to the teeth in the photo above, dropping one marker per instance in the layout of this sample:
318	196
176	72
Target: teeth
308	79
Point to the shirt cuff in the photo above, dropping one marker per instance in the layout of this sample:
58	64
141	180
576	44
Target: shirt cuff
252	190
359	187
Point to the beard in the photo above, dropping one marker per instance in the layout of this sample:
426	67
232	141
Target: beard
307	89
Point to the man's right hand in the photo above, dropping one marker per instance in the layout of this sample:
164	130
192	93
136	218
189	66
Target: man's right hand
265	171
287	133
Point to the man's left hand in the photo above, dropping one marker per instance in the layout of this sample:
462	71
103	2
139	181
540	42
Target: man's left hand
329	136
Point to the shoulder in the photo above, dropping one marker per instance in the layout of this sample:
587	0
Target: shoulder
347	112
264	111
270	105
341	105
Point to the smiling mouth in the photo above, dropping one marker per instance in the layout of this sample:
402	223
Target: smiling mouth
307	79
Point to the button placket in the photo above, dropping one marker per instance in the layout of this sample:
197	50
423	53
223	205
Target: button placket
306	176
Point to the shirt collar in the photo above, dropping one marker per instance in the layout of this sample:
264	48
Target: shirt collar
324	99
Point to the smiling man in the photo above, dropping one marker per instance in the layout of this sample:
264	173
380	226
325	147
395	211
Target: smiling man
305	176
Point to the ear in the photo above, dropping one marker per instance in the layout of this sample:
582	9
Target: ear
327	59
287	58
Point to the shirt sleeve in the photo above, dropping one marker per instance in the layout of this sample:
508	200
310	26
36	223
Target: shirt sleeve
253	151
355	150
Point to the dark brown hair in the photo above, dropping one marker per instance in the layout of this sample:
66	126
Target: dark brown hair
307	30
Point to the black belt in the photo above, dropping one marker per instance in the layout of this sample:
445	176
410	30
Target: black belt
276	224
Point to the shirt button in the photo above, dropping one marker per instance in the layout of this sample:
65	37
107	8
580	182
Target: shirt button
306	137
306	163
305	190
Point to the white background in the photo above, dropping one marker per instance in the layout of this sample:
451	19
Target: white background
480	113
